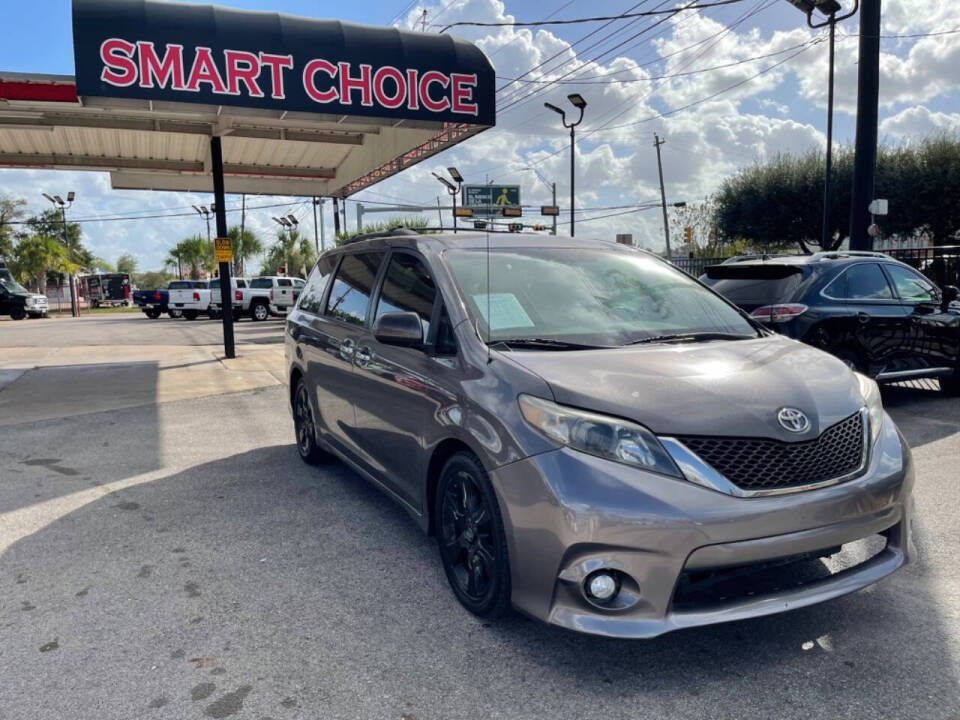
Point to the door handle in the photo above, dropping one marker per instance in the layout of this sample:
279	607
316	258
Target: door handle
362	356
347	348
863	317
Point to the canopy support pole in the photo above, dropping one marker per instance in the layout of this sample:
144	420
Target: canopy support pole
226	291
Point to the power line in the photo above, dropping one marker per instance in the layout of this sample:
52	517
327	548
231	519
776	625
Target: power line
406	8
538	23
152	217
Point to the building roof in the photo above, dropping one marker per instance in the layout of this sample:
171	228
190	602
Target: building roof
151	130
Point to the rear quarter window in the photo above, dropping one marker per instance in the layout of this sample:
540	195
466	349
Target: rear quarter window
261	283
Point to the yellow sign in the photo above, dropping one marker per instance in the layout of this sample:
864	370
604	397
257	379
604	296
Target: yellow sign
223	249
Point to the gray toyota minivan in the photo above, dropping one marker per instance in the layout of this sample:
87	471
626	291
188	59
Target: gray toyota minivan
595	438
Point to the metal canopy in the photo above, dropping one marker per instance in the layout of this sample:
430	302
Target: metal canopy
303	107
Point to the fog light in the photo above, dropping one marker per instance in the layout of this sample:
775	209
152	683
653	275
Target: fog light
601	586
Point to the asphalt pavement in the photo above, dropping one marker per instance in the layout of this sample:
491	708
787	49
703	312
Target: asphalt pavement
177	560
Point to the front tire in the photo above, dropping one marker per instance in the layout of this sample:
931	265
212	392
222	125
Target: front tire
470	536
950	386
306	429
18	313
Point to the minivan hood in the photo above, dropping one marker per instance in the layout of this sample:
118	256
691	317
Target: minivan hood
709	388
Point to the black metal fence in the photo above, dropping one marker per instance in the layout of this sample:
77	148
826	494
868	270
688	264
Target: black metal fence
940	264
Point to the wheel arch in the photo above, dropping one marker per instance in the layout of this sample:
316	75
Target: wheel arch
444	450
295	375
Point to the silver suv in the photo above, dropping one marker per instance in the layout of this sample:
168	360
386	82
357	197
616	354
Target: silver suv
593	437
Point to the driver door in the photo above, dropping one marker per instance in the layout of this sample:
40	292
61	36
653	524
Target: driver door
933	334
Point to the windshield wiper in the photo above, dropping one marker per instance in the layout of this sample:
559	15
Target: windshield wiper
544	344
691	337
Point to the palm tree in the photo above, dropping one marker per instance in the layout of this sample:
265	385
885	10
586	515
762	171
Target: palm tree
194	253
293	250
246	245
37	255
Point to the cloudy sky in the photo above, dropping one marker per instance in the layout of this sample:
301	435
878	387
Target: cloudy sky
725	87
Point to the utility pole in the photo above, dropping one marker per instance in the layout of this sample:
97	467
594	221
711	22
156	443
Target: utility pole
316	231
657	142
554	187
336	217
865	150
243	224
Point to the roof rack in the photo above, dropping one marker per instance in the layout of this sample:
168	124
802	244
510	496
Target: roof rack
837	254
746	258
398	231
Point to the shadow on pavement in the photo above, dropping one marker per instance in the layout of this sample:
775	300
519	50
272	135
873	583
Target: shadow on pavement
259	578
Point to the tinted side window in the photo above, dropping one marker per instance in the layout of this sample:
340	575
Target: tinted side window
261	283
408	287
316	284
911	286
867	282
352	286
241	283
283	282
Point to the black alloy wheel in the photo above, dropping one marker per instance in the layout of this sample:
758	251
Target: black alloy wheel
470	535
306	429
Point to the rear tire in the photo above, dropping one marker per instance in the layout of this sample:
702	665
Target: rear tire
470	536
306	428
152	314
190	314
850	358
259	311
174	314
213	314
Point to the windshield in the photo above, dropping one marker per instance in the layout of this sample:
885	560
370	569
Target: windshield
12	285
586	296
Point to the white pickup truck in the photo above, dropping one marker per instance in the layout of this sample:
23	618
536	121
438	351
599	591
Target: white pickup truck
272	295
241	300
191	297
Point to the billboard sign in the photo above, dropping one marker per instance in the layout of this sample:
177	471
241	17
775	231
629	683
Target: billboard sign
163	51
490	199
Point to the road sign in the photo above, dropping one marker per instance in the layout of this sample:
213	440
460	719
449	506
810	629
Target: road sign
549	210
223	249
873	230
464	212
878	207
490	199
512	211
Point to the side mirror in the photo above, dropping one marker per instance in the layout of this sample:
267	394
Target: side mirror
399	328
950	293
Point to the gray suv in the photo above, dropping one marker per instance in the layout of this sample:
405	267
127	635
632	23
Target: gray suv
594	437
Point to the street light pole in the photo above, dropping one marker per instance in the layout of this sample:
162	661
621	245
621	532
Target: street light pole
578	102
452	190
59	203
830	8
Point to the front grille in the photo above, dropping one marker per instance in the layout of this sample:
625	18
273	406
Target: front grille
764	464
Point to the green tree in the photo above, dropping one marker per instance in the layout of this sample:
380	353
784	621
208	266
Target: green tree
293	250
11	210
779	204
37	255
153	279
127	263
414	222
246	246
193	256
49	223
100	263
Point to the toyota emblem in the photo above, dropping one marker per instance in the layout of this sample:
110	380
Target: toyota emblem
793	420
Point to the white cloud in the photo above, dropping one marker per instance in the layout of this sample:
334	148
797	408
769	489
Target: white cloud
916	122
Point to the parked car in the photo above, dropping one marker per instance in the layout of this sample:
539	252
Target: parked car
272	295
191	297
18	302
107	289
237	286
878	315
154	303
594	437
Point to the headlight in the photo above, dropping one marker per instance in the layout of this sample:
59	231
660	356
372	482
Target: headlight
31	301
607	437
871	398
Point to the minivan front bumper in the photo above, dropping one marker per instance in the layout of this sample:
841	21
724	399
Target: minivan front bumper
568	514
